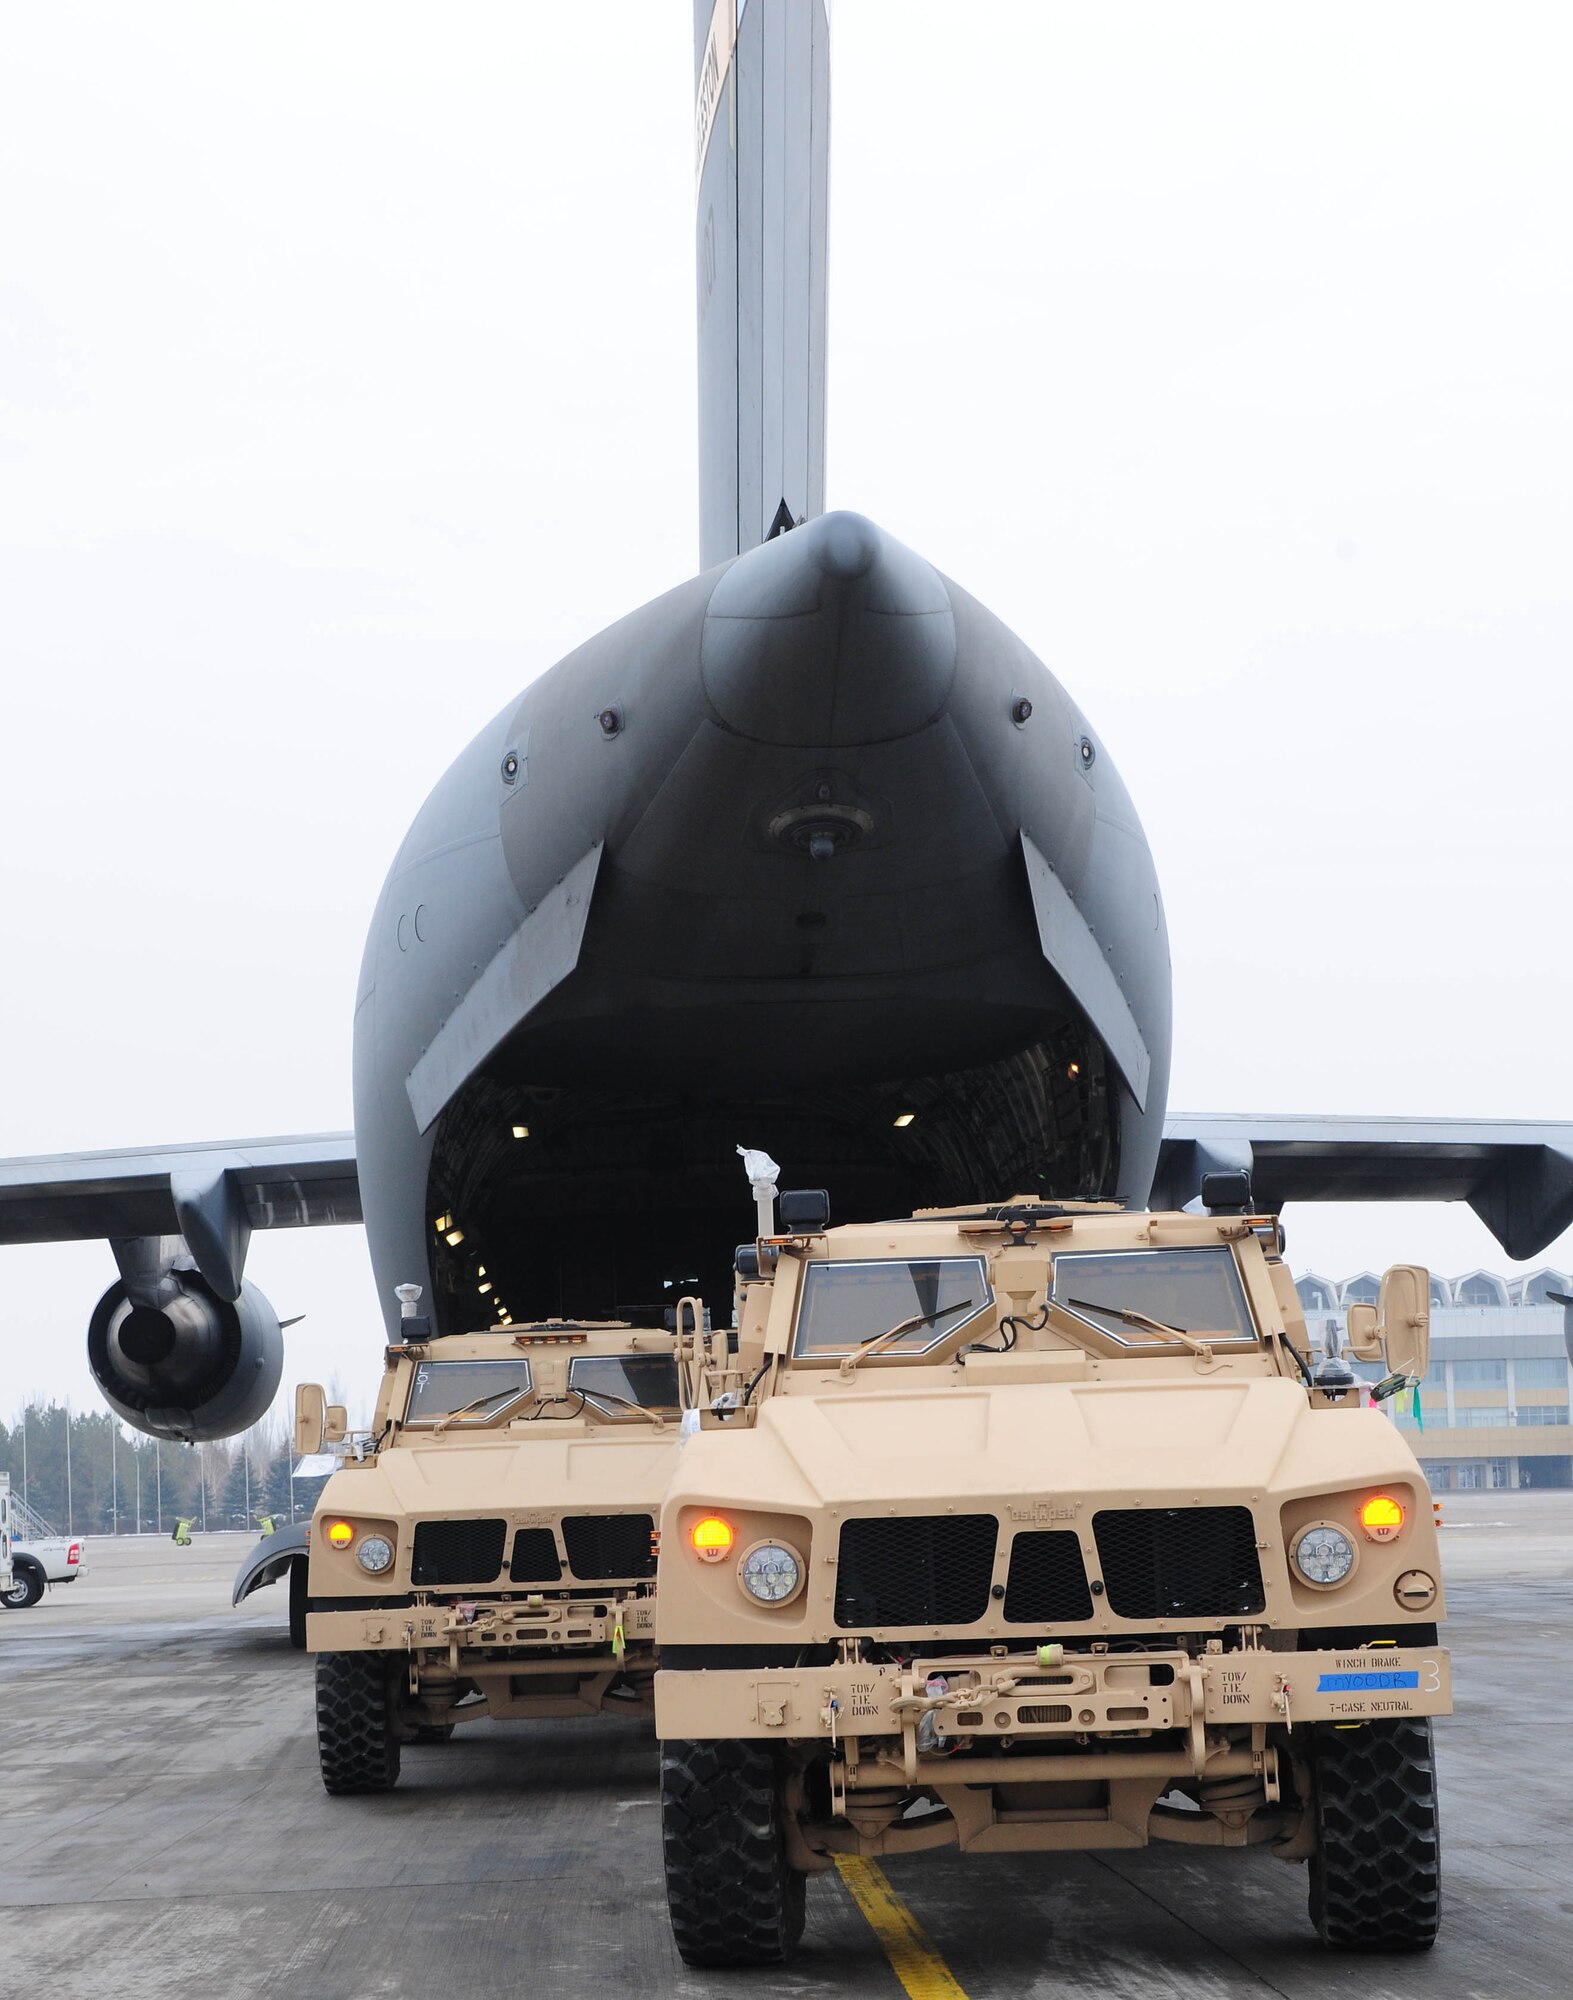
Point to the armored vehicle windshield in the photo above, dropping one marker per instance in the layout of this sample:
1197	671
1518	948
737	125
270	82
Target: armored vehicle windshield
467	1392
908	1304
1130	1295
618	1385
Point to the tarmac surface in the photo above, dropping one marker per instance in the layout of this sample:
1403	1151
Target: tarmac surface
163	1831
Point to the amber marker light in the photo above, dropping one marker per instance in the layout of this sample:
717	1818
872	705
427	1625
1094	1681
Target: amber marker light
340	1534
712	1538
1382	1516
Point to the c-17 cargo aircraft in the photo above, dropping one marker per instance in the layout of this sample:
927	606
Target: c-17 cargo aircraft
811	852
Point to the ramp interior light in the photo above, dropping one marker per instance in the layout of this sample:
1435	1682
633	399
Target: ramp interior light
375	1554
1324	1555
770	1573
340	1534
1382	1516
454	1237
712	1538
905	1119
484	1287
521	1131
442	1223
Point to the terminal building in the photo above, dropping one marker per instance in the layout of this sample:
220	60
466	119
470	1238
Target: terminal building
1494	1408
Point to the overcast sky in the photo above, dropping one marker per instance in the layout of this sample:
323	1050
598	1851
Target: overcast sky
346	382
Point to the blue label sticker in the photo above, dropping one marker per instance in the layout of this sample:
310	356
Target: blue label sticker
1353	1683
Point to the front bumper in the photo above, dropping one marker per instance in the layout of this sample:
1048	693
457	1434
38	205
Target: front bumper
468	1632
1066	1700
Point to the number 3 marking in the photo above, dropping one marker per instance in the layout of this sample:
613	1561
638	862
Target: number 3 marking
1433	1685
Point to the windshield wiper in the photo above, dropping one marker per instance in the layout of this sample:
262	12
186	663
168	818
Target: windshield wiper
611	1396
1133	1318
874	1341
441	1423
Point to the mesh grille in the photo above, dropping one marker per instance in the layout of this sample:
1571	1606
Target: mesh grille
1048	1580
1044	1711
923	1570
535	1558
606	1546
457	1551
1180	1562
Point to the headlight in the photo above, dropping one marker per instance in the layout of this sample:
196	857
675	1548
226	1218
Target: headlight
1324	1554
770	1573
375	1553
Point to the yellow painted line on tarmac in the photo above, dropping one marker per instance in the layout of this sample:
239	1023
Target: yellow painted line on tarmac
910	1949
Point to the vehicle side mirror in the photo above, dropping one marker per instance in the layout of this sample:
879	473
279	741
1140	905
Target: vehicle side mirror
310	1418
1364	1332
1406	1319
337	1426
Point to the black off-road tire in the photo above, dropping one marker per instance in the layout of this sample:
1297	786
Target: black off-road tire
27	1587
733	1898
1376	1875
356	1746
297	1606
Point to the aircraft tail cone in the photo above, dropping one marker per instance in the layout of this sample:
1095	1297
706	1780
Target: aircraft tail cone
832	636
847	545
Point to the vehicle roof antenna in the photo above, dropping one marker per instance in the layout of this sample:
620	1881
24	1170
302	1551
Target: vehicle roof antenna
413	1326
763	1174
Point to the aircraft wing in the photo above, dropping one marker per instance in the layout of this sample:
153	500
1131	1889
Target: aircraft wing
1516	1175
288	1183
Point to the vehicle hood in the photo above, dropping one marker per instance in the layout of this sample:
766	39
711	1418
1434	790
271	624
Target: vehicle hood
572	1475
1170	1439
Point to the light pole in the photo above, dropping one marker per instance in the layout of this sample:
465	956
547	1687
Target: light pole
70	1511
158	1479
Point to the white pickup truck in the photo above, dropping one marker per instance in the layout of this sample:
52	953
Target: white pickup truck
38	1557
5	1531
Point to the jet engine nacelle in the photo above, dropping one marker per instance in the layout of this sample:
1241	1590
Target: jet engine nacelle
190	1366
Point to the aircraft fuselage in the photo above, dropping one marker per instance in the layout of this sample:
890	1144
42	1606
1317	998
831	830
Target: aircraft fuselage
808	844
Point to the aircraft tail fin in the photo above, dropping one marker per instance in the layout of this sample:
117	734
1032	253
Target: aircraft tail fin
762	153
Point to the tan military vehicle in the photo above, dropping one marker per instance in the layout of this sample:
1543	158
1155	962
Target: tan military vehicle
487	1548
1040	1526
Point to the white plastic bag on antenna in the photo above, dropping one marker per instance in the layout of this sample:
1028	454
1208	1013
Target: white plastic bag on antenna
762	1173
759	1167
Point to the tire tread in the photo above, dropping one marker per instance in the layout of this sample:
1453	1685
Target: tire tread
1376	1876
356	1747
732	1896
